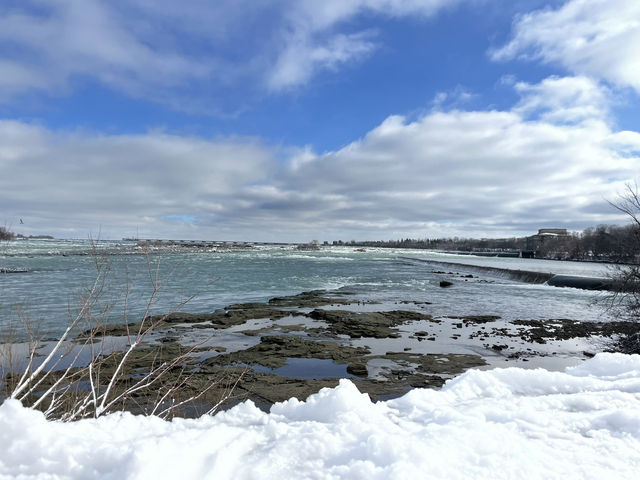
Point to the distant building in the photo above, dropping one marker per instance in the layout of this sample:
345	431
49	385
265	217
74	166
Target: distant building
533	243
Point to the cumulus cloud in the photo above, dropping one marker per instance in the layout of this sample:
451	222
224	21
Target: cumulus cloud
312	44
477	170
564	99
78	182
551	160
483	173
596	38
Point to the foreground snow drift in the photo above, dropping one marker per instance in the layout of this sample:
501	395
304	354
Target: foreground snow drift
505	423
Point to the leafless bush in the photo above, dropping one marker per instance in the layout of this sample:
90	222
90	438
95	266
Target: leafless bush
5	234
625	296
67	386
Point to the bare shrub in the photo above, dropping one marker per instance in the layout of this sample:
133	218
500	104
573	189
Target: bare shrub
5	234
625	296
81	375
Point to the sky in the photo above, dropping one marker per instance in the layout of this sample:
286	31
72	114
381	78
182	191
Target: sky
293	120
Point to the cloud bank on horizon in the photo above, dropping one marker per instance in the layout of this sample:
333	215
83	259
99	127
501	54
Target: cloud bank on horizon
290	120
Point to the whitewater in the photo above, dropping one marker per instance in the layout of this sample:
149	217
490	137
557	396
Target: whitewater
50	273
502	423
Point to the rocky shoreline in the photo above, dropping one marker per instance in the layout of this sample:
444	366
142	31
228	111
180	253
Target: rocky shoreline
293	346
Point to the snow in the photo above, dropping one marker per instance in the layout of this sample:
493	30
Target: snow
502	423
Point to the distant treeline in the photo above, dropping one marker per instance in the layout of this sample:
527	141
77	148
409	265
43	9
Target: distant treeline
6	234
605	242
611	243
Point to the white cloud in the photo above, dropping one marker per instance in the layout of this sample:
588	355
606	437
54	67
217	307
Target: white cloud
549	161
468	168
321	15
86	38
312	43
300	61
453	99
564	99
81	181
596	38
163	51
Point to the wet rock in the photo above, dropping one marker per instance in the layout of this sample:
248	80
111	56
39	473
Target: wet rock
445	283
366	324
195	320
266	389
539	331
169	339
312	299
273	351
358	369
435	364
273	328
242	306
239	316
109	330
478	319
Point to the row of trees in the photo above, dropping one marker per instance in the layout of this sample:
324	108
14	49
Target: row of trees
612	243
452	243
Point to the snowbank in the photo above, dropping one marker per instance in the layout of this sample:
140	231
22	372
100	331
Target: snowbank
504	423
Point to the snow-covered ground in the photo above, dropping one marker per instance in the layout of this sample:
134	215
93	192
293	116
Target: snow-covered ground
503	423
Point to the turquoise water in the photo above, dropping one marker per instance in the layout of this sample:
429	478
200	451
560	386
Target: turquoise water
58	273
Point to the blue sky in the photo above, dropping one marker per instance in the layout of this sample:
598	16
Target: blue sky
292	120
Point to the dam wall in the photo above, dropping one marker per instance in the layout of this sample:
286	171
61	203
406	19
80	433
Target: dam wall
526	276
